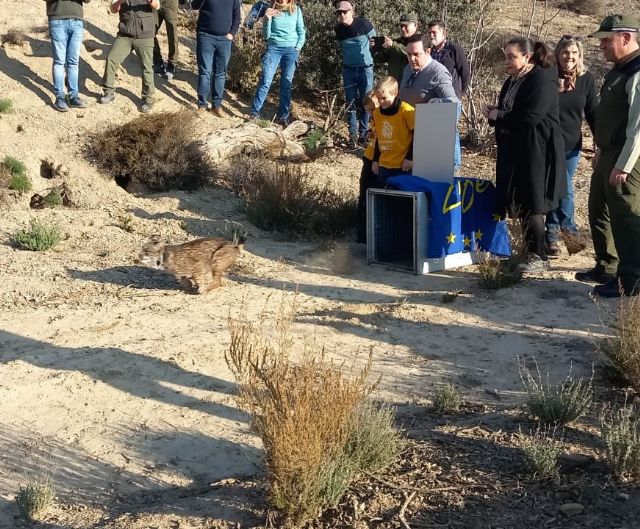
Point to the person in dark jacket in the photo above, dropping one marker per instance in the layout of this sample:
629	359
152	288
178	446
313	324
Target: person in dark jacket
577	96
530	167
218	23
167	13
136	31
394	51
65	29
450	55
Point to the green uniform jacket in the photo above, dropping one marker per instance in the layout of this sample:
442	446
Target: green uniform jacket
137	20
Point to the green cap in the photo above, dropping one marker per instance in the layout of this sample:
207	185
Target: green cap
408	17
615	24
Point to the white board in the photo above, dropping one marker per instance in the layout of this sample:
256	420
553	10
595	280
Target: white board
434	140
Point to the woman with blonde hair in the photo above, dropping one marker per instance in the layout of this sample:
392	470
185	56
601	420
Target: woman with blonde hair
577	97
283	29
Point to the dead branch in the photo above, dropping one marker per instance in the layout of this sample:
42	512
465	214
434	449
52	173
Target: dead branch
406	503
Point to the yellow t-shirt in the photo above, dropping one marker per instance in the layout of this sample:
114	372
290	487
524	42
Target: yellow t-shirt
394	135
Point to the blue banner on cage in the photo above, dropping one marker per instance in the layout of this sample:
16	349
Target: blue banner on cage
461	215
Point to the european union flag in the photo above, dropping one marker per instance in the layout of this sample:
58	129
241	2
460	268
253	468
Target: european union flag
461	215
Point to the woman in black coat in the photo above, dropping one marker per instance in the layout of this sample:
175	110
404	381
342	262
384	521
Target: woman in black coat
530	166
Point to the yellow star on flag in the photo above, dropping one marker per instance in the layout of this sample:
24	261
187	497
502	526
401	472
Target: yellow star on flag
496	217
451	238
466	241
478	234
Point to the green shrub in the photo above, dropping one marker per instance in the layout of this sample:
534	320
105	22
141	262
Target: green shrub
312	141
623	348
447	399
20	183
35	497
559	403
38	237
6	105
541	451
621	436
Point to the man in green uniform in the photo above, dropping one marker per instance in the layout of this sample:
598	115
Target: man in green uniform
394	51
616	176
167	13
136	31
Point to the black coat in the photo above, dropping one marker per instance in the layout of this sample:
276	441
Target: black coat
530	167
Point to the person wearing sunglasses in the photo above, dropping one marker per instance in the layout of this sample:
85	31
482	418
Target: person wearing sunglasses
577	97
614	197
394	51
353	35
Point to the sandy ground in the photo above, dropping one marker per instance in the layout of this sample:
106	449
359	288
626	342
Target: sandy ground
113	380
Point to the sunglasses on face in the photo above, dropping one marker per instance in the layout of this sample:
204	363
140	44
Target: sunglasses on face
342	11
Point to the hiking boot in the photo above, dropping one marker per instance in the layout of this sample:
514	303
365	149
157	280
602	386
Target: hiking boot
108	97
61	105
169	71
158	68
553	249
283	121
217	111
533	264
595	275
146	107
76	102
252	118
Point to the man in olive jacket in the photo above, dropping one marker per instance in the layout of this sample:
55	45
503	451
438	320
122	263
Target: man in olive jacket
65	29
136	31
615	185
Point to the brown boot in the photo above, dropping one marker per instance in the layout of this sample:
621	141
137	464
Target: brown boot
217	111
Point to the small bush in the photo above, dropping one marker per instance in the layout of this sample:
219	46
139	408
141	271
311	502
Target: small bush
280	196
556	404
623	349
35	497
447	399
246	64
14	37
575	241
6	106
496	273
155	150
15	166
313	140
52	199
20	183
621	436
39	237
316	429
541	451
125	223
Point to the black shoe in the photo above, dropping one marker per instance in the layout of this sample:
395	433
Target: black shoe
169	71
158	68
595	275
611	289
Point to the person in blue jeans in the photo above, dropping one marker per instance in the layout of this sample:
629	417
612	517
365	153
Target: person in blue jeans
353	35
578	97
284	31
65	29
218	23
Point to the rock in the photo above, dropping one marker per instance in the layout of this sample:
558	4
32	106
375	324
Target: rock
571	509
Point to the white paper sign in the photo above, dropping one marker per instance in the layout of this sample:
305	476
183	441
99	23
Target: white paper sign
434	140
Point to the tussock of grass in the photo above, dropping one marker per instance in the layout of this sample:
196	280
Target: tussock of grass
623	349
14	37
38	237
541	451
316	426
280	196
621	435
6	105
35	497
156	150
447	399
559	403
13	174
496	273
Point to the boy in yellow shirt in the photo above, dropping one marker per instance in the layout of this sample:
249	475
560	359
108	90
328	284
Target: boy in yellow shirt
394	121
367	177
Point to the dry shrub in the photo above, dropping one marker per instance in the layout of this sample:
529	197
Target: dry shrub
621	435
541	451
57	196
559	403
447	399
14	37
575	241
593	8
623	348
316	429
155	150
188	19
35	497
496	273
280	196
